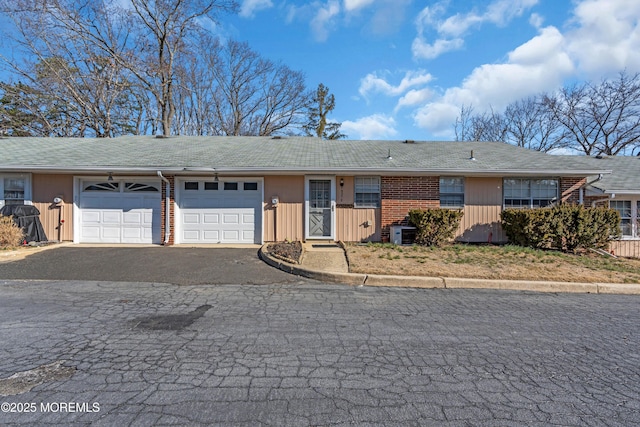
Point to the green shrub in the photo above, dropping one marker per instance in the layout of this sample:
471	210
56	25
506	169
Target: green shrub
434	226
10	234
564	227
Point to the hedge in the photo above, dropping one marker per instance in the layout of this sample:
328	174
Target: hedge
564	227
434	226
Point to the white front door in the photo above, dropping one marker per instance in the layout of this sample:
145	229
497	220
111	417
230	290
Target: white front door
224	211
119	211
320	201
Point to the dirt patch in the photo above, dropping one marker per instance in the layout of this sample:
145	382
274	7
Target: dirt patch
491	262
24	381
287	251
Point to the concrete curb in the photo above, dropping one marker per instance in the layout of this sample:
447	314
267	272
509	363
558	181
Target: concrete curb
449	282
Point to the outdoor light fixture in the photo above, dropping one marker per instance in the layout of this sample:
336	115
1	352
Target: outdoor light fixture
215	178
110	178
341	182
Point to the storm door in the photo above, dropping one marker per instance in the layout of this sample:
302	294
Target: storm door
320	208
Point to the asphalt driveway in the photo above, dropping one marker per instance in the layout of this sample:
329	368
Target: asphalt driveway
176	265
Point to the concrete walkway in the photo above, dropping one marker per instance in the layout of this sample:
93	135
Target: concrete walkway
324	257
327	261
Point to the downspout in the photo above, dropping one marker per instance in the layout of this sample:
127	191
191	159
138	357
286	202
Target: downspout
167	208
582	187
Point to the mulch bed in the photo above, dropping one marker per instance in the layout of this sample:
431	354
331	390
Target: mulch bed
288	251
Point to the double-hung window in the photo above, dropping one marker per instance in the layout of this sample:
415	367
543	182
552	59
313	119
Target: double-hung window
629	217
367	192
451	192
529	193
14	189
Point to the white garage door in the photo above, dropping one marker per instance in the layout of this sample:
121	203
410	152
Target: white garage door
125	211
220	212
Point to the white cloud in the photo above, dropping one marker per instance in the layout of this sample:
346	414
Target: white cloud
602	38
414	97
324	18
373	83
536	20
377	126
351	5
452	29
250	7
424	50
605	35
539	65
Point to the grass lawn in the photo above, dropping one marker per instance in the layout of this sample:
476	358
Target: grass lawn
490	262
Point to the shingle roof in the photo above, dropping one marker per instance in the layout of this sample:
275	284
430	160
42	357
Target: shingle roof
290	154
625	176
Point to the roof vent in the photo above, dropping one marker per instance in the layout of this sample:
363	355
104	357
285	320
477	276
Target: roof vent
409	141
389	155
472	158
277	137
159	136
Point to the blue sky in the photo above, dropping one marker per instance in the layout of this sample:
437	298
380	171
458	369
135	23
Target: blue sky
401	69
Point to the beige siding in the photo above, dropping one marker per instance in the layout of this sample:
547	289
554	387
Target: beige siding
625	248
350	224
45	189
345	192
483	204
289	213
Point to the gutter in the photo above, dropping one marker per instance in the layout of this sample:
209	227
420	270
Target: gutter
389	171
167	208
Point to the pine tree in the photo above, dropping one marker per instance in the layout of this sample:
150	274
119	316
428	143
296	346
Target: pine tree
321	105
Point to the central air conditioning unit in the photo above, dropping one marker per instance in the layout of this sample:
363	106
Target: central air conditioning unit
402	235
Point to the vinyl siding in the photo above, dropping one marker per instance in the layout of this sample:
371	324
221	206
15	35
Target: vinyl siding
45	189
483	204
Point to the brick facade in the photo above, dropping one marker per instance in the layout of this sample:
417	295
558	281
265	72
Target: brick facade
570	189
399	194
172	198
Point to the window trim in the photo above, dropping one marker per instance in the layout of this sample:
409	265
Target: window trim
27	197
377	203
634	217
450	193
531	196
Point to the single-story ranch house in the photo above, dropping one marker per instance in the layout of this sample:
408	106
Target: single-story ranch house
208	190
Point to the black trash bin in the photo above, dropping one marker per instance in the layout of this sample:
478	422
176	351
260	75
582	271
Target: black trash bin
26	217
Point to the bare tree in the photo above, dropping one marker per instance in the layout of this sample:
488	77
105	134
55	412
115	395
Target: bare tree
487	126
602	118
530	124
142	41
253	95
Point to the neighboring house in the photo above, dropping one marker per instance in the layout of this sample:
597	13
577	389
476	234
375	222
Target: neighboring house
194	190
621	191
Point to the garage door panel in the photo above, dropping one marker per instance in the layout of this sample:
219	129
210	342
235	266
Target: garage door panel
111	216
133	217
132	233
230	235
191	218
230	218
211	235
210	218
111	233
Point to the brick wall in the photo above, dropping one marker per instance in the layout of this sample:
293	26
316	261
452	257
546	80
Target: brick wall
570	189
172	199
400	194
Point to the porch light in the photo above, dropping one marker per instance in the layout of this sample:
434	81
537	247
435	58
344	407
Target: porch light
110	177
215	178
341	182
